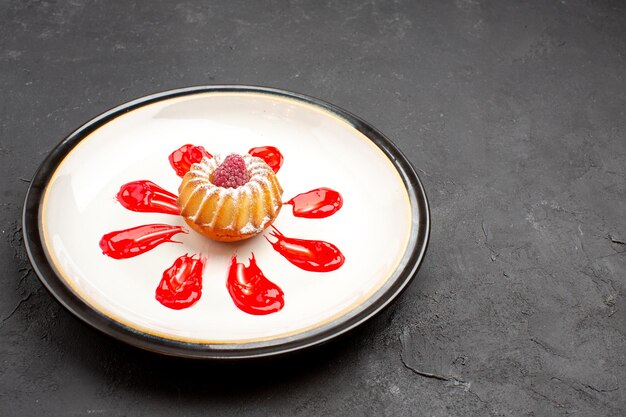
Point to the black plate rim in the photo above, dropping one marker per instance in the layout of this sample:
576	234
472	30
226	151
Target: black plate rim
50	278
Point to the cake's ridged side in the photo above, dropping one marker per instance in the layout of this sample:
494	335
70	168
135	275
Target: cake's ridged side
208	207
243	211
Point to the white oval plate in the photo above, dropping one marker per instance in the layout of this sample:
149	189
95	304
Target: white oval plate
382	228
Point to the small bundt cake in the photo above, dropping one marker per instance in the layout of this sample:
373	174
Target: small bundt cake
230	198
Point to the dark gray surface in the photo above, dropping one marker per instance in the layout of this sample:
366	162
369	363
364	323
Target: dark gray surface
513	114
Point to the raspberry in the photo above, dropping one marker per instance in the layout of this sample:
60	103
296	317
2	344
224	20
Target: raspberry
231	173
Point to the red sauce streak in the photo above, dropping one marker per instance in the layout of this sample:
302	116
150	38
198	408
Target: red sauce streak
310	255
181	285
270	155
316	204
147	197
251	291
137	240
182	158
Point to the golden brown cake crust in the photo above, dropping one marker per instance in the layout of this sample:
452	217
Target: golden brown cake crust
230	214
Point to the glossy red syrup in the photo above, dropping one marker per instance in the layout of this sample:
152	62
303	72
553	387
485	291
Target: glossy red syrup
251	291
127	243
270	155
182	158
181	285
147	197
316	204
310	255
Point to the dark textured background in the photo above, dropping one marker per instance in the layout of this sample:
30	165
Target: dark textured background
512	112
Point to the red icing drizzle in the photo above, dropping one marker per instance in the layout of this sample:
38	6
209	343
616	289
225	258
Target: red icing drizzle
182	158
316	204
310	255
147	197
270	155
251	291
181	285
131	242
